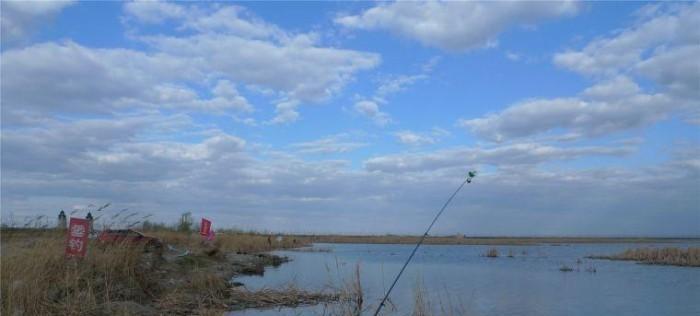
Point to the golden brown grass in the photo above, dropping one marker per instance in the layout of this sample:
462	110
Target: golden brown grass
37	279
491	253
689	257
239	242
426	305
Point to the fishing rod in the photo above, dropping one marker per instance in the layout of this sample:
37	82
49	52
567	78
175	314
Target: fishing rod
469	178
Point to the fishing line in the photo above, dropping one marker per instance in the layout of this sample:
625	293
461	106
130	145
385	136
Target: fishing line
469	178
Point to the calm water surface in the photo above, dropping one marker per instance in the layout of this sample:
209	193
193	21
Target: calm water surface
530	283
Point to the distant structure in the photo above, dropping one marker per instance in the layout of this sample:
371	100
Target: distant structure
61	220
90	219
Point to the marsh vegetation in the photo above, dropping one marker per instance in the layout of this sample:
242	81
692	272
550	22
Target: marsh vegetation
37	278
688	257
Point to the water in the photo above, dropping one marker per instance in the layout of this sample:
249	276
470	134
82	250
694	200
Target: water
528	284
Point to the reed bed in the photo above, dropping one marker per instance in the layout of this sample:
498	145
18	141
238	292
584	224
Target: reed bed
491	253
125	279
37	279
689	257
441	305
231	241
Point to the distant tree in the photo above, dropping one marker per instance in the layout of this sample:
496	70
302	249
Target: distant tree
186	221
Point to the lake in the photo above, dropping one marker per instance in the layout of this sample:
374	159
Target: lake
529	283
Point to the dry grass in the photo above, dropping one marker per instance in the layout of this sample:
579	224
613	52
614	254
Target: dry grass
352	302
290	296
689	257
422	305
37	279
491	253
425	305
227	241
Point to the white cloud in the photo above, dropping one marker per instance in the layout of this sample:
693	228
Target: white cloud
616	88
328	145
89	125
286	112
662	46
371	110
676	69
418	139
605	108
303	72
398	83
70	78
454	26
58	165
414	139
512	56
680	26
154	11
388	86
500	156
230	41
20	17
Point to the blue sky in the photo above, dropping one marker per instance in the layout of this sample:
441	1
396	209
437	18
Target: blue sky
357	117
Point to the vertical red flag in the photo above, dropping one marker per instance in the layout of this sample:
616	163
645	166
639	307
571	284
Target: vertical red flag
76	243
205	227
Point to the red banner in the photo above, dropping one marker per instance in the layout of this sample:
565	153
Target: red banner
205	227
76	243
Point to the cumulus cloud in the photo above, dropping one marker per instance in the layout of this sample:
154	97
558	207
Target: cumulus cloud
154	11
662	46
397	84
62	164
454	26
676	69
371	110
609	55
328	145
285	112
508	155
369	107
301	71
19	18
71	78
232	42
608	107
412	138
97	161
86	125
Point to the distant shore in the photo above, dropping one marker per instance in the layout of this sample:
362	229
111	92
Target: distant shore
494	241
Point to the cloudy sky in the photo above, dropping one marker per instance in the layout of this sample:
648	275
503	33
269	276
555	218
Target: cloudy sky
582	118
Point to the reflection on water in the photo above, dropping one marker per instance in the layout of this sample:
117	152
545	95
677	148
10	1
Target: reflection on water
530	283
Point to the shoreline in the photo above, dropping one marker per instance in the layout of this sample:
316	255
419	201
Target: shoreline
492	241
135	280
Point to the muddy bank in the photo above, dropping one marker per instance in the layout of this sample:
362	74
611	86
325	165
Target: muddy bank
181	276
205	285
